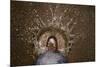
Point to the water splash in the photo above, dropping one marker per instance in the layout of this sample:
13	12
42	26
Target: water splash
59	18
